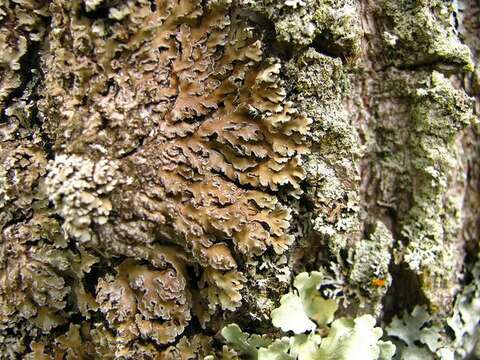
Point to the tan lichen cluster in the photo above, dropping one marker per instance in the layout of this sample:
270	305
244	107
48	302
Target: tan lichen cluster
22	166
150	138
180	96
222	289
83	342
144	303
30	287
21	25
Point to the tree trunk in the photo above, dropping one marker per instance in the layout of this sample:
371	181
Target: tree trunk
171	168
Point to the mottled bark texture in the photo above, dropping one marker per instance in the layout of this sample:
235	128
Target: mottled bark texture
168	166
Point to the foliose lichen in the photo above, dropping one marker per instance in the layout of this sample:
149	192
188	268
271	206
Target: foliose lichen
420	335
79	188
162	138
301	312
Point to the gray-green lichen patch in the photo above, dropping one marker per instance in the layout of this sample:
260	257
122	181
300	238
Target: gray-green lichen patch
334	22
416	336
423	174
371	259
433	222
466	318
418	116
422	32
321	84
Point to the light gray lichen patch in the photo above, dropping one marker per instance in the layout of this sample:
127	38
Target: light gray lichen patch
79	189
423	174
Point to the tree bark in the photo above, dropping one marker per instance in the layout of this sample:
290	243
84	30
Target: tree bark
169	167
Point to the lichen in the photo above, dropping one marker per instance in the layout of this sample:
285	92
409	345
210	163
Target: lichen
160	138
438	113
166	166
422	175
202	140
140	303
371	258
309	307
465	319
41	282
334	25
22	25
420	335
343	338
321	84
422	33
222	289
79	188
21	170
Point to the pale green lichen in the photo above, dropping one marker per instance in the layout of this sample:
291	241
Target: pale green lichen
421	336
344	339
417	337
422	32
465	321
431	225
306	303
335	24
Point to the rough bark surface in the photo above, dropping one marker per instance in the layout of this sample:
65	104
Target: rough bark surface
226	179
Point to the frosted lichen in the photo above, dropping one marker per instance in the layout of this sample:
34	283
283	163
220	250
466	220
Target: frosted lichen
419	339
79	188
307	303
465	321
169	125
22	167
